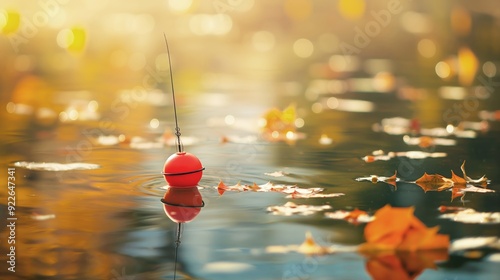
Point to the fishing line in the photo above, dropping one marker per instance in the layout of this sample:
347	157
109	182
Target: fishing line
177	129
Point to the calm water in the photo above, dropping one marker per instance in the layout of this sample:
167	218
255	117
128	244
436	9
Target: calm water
109	223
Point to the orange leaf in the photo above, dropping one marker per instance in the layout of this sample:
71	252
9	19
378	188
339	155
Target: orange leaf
221	188
414	238
438	241
457	180
388	220
387	267
434	182
402	265
457	192
397	229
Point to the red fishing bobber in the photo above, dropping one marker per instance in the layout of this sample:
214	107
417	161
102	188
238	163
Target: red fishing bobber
182	170
182	205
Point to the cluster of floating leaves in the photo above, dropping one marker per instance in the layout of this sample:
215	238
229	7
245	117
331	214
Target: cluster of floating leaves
394	231
292	191
55	166
436	182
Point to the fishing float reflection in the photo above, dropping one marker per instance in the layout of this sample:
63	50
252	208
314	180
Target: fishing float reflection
181	205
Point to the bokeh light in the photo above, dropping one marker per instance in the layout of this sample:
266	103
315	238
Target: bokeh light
426	48
443	69
352	9
154	123
467	66
489	69
179	6
72	39
10	21
303	48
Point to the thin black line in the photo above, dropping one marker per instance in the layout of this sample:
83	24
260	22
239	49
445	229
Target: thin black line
177	243
184	173
182	205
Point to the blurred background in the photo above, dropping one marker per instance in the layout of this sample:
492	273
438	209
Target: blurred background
69	52
88	82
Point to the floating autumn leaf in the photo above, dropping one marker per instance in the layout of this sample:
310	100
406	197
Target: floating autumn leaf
375	179
444	208
308	247
402	266
380	155
434	182
470	216
355	216
427	141
457	192
290	208
397	229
